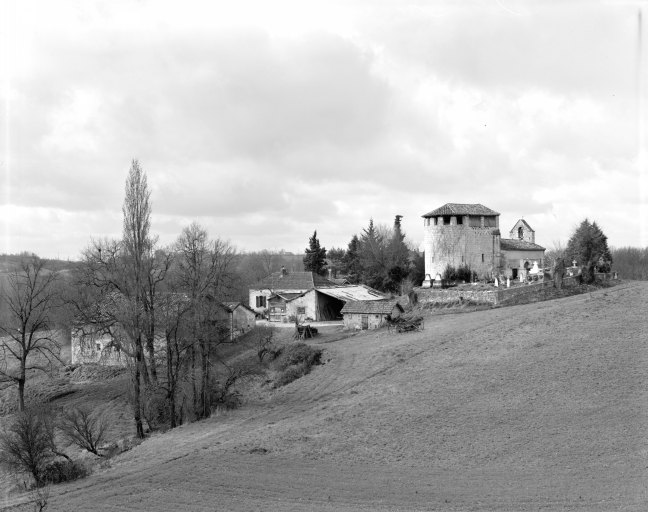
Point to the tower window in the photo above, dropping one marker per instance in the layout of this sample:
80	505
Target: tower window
446	220
482	257
520	233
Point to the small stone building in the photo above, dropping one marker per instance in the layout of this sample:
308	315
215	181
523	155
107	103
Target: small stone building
370	314
241	318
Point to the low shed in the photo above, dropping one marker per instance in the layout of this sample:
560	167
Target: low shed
370	314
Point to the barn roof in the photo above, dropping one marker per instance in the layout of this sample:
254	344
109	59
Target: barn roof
292	281
461	209
377	307
352	292
508	244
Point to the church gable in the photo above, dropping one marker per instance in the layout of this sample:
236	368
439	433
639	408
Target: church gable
522	231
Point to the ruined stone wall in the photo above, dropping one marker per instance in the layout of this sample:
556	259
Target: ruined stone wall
95	348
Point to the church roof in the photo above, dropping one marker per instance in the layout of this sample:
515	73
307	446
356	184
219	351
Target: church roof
508	244
461	209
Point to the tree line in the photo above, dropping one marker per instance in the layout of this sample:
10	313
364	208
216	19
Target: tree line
380	257
161	308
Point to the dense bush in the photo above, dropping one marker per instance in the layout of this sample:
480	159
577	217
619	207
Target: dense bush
460	273
292	373
297	353
59	471
295	361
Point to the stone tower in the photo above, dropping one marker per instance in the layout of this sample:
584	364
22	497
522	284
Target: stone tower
462	234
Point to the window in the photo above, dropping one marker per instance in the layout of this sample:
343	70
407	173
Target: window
261	301
436	221
520	233
301	310
482	257
446	220
459	220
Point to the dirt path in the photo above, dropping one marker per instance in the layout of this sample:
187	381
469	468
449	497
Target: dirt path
542	406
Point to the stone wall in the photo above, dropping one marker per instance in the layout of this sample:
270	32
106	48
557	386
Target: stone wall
494	296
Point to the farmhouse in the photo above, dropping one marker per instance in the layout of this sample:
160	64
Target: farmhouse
469	235
305	295
370	314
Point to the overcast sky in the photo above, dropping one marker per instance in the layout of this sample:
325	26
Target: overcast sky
265	120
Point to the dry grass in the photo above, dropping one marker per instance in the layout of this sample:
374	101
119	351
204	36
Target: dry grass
538	406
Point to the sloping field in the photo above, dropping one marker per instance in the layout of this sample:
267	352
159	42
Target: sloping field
535	407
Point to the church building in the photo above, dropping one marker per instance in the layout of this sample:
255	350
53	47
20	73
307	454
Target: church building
469	235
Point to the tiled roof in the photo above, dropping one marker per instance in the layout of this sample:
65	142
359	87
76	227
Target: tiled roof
292	281
508	244
461	209
377	307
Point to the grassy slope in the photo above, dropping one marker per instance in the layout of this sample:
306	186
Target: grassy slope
521	408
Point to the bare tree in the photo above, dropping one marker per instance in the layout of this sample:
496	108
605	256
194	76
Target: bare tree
26	445
84	428
30	340
203	273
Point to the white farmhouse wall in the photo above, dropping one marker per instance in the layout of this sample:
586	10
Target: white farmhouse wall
256	293
307	301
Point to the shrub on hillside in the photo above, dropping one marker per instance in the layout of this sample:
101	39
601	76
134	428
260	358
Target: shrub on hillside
292	373
295	361
298	353
59	471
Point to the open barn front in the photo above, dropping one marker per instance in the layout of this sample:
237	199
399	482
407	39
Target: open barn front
328	307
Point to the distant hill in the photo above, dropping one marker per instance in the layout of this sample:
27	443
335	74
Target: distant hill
10	262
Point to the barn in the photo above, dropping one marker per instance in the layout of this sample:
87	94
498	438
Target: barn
370	314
